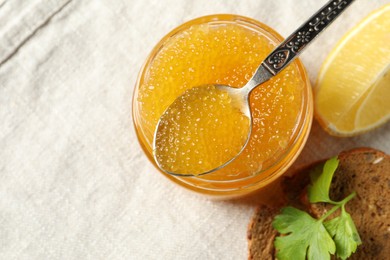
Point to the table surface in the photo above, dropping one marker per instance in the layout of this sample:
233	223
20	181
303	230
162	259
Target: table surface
74	183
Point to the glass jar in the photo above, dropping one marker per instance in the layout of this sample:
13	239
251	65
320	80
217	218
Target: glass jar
226	49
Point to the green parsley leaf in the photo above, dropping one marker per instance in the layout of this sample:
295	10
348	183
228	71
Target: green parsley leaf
344	234
319	190
306	235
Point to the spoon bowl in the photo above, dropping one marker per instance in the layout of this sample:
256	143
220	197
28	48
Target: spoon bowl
236	100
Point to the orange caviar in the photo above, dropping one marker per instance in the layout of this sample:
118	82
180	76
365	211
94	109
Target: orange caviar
225	49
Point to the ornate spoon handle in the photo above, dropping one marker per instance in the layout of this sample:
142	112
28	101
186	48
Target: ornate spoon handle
293	45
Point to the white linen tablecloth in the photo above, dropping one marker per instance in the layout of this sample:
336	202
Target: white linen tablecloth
74	183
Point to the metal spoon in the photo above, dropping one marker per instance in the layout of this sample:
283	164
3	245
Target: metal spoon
279	58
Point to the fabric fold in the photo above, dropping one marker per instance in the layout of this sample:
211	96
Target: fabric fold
28	18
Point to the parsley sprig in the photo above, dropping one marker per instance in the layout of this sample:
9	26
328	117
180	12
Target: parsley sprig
305	237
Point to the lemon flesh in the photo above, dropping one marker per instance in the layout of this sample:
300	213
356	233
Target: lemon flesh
352	93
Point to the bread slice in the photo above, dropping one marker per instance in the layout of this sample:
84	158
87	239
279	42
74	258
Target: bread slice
261	234
365	171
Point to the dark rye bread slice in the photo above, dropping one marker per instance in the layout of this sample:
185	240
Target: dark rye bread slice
367	172
363	170
261	234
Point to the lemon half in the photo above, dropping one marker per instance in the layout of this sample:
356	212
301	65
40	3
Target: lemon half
352	92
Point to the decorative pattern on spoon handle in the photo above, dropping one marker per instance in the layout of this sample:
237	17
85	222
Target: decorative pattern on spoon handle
291	47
